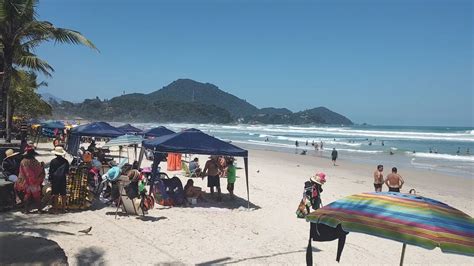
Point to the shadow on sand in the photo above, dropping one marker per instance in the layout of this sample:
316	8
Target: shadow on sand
12	223
229	260
27	250
90	256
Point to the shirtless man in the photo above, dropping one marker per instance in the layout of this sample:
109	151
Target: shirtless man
394	181
378	178
211	169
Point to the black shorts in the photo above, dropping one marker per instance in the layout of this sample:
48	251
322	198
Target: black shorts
213	181
392	189
58	186
378	185
230	186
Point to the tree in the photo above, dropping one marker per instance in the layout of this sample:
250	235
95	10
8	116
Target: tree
20	33
23	98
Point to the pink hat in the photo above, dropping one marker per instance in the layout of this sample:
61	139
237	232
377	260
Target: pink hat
319	178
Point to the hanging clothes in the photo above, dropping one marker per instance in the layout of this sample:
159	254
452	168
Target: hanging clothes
174	161
323	233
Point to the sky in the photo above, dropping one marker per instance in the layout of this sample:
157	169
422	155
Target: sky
405	62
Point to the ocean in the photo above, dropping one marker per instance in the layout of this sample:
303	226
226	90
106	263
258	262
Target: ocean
444	149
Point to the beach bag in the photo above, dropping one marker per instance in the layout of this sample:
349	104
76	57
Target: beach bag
303	208
148	203
132	190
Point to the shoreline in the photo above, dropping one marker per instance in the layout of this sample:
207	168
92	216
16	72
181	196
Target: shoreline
397	159
226	232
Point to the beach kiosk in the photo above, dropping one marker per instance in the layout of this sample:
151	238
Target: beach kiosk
193	141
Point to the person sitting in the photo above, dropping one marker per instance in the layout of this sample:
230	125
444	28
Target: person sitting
191	191
194	168
11	165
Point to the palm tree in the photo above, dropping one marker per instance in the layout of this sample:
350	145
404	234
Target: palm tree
20	33
23	98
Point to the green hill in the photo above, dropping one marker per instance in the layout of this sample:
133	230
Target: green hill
186	100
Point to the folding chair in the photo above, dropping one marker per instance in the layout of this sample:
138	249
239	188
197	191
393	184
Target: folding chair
129	206
186	171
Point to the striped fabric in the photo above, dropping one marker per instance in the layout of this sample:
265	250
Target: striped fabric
405	218
125	141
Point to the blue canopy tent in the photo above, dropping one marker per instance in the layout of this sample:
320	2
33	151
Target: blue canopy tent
53	125
196	142
129	129
49	128
96	129
158	132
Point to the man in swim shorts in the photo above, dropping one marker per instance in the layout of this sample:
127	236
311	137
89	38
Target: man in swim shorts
378	178
394	181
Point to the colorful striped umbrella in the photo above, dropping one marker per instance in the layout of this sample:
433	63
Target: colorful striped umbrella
406	218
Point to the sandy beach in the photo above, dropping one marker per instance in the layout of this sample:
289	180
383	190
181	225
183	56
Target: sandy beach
227	233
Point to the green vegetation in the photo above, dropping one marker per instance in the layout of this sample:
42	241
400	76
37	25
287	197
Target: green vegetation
185	100
20	34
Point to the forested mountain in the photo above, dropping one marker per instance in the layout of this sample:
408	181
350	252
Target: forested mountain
186	100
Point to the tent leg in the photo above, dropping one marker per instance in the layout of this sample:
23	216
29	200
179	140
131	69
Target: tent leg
403	254
247	180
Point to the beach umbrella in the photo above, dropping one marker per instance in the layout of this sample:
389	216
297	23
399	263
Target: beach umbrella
406	218
125	140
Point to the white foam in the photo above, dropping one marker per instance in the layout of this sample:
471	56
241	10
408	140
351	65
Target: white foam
441	156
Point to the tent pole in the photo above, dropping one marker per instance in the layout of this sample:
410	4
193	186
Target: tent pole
247	181
403	254
140	157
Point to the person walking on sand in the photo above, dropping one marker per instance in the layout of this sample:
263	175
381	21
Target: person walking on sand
378	178
321	145
394	181
334	156
211	170
58	170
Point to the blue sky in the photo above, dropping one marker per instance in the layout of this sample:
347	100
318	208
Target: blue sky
380	62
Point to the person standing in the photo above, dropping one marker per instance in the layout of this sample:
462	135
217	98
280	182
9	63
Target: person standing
231	177
30	178
334	156
378	178
211	170
394	181
58	171
321	145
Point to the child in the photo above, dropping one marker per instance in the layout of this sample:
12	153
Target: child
231	177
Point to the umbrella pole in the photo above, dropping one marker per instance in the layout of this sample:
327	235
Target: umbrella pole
403	254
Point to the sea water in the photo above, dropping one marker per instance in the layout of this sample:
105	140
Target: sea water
445	149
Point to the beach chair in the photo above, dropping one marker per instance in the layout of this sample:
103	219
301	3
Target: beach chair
129	206
186	171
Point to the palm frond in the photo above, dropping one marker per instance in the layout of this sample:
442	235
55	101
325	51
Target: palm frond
35	63
62	35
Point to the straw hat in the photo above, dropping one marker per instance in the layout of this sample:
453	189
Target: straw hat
10	153
319	178
58	150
